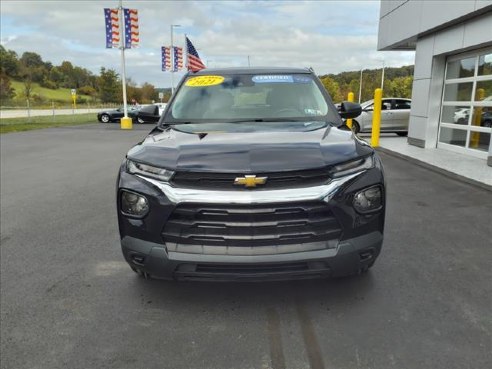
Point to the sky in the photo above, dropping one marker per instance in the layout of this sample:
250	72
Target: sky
329	36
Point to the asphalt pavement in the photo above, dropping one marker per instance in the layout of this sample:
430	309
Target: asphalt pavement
68	299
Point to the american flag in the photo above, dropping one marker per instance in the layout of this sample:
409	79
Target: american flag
178	58
132	32
166	58
194	62
112	21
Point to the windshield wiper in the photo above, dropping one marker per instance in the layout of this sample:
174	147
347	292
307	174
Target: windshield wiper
254	120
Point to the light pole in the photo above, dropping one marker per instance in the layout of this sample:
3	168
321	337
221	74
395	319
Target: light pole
382	77
360	86
172	57
249	64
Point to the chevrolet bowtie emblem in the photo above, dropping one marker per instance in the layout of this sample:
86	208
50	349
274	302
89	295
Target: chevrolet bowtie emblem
250	181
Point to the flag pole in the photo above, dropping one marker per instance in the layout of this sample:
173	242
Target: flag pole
123	70
171	57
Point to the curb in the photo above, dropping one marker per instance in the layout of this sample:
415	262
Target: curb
434	168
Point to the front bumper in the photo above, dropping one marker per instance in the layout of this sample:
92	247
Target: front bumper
348	257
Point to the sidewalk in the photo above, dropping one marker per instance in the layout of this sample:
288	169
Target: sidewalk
449	163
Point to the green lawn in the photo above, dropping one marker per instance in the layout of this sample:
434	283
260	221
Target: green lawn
61	94
24	124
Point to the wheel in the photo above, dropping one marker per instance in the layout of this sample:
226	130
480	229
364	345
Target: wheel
140	120
461	121
355	126
402	134
142	274
105	118
487	123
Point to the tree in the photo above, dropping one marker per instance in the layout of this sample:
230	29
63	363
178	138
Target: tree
149	93
6	90
109	86
332	87
9	63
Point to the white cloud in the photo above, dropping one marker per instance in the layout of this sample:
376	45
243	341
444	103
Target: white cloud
327	35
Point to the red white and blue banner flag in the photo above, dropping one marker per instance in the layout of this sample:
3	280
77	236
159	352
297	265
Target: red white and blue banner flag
194	62
132	32
178	58
166	58
113	31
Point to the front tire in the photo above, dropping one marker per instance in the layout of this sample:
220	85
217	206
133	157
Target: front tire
355	126
105	118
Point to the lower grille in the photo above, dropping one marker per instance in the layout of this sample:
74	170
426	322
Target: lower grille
251	225
253	269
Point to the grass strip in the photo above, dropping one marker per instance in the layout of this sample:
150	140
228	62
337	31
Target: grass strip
8	125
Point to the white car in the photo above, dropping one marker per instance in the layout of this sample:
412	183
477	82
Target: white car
395	114
461	116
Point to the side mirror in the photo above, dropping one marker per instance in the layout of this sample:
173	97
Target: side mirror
349	110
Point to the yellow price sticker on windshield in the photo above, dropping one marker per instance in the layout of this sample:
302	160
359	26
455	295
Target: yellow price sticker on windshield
202	81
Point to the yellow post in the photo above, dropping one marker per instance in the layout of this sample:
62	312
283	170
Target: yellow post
126	123
376	117
350	98
477	118
74	98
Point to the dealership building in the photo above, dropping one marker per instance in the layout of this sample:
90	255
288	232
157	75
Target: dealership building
452	87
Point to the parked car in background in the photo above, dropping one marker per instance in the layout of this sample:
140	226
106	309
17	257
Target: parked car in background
395	114
148	114
107	116
461	116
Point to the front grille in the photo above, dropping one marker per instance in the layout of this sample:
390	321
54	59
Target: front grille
252	269
275	180
251	225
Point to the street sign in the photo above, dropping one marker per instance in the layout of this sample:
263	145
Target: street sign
73	91
161	95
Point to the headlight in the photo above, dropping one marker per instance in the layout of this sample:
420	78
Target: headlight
352	167
368	200
149	171
134	204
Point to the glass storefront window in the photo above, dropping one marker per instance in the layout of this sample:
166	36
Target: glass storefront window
461	68
453	136
479	141
455	114
458	91
485	64
483	91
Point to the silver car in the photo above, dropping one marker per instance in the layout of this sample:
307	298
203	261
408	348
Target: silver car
395	113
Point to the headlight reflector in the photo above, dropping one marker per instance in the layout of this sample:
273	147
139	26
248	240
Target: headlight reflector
368	200
133	204
149	171
352	167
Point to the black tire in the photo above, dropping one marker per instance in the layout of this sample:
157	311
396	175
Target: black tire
105	118
402	134
461	121
487	123
140	273
355	126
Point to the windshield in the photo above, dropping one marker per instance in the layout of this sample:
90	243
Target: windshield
249	97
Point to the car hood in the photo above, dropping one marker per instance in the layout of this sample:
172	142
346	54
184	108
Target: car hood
251	152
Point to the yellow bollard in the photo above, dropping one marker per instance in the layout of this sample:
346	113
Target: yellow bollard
126	123
477	118
350	98
376	117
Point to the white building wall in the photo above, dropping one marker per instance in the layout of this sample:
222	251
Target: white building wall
430	62
435	29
